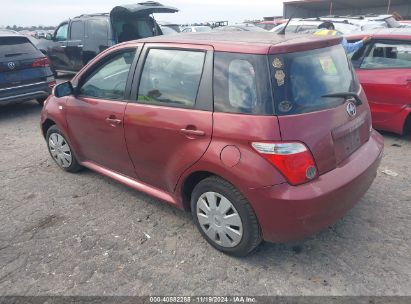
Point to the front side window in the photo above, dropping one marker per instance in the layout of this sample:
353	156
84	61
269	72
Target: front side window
241	84
171	77
77	30
109	80
388	55
300	80
61	34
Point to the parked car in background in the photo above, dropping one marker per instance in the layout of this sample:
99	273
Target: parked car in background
40	34
173	26
76	41
24	71
256	151
405	23
384	69
168	30
309	26
197	29
240	27
269	25
365	22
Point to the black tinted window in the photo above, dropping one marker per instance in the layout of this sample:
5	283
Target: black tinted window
97	29
109	80
301	79
13	46
171	77
77	30
241	84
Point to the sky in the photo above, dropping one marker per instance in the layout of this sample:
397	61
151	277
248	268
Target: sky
52	12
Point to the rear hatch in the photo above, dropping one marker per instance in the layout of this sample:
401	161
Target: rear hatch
136	21
331	127
17	62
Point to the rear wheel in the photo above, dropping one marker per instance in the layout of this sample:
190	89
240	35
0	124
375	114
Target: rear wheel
224	217
61	151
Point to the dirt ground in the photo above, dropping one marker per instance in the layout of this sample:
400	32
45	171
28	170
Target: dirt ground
84	234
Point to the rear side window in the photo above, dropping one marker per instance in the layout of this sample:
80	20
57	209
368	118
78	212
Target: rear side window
14	46
77	30
97	29
241	84
109	80
301	79
171	77
388	55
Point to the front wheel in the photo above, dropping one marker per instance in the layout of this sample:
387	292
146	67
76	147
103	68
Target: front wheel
224	217
61	151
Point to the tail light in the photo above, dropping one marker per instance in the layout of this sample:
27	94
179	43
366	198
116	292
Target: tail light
41	62
293	160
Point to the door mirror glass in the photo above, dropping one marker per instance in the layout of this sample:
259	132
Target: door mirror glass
63	89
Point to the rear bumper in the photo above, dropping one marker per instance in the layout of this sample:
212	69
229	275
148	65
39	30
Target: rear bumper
25	92
288	213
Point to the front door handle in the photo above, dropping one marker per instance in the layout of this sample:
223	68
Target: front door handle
113	121
192	132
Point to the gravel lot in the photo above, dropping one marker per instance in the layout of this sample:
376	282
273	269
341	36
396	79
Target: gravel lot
84	234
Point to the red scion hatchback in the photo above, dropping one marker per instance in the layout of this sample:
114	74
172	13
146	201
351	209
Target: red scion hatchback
261	136
384	70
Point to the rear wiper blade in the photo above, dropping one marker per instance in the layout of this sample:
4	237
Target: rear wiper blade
348	96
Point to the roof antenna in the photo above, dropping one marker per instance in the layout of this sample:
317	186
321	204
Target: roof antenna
282	32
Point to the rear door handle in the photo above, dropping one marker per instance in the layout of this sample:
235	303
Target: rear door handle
80	46
192	132
113	121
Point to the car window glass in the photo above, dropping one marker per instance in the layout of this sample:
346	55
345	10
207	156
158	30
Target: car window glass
97	29
61	34
109	80
242	84
171	77
301	79
388	55
14	46
77	30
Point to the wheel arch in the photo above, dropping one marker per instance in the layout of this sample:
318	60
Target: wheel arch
189	184
46	125
407	124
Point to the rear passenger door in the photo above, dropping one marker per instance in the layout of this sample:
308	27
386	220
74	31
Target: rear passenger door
75	44
169	125
385	74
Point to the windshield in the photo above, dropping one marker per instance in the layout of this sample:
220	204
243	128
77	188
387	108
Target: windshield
203	29
301	79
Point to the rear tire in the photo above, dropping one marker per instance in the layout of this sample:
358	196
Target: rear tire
224	217
61	151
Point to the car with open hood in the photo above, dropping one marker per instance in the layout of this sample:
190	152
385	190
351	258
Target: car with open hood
76	41
260	136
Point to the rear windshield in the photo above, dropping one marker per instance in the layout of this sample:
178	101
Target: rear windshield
14	46
301	79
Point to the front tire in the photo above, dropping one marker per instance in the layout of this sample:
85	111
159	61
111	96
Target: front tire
61	151
224	217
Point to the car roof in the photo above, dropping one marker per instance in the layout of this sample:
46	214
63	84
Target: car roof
10	33
385	33
249	42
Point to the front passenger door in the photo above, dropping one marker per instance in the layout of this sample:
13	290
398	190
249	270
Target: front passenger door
95	116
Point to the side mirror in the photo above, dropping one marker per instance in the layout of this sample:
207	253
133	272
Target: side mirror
49	36
63	89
